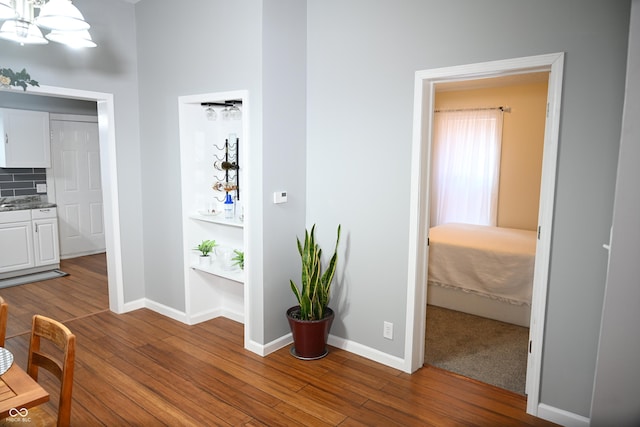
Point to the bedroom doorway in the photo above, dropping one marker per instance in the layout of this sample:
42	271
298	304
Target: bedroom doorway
419	220
484	182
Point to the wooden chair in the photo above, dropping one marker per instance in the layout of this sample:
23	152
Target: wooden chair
61	365
4	314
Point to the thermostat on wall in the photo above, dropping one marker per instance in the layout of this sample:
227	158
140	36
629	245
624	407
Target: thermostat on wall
280	197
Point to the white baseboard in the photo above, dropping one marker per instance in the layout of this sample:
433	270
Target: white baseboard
367	352
172	313
133	305
562	417
181	316
350	346
269	347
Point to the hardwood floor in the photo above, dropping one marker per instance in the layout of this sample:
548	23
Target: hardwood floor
143	369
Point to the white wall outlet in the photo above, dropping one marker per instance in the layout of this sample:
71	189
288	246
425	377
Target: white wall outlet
387	332
280	197
41	188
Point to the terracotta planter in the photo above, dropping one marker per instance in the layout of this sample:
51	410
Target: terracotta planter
309	336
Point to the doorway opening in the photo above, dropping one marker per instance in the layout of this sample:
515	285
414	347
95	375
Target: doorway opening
425	83
109	178
484	183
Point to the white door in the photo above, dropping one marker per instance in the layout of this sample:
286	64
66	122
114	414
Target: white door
75	152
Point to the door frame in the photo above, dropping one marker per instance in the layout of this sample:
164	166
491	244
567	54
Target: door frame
424	95
109	178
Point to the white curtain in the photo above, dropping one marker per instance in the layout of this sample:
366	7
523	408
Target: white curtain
465	166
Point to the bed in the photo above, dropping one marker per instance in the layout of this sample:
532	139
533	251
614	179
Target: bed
482	270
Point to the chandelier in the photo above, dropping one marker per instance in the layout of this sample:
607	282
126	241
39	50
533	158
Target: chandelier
65	23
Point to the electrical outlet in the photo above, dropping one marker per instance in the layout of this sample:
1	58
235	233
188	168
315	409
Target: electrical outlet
388	330
41	188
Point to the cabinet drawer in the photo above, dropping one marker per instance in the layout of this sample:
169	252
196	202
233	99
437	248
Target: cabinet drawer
15	216
44	213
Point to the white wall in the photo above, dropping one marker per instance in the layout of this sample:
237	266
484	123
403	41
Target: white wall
109	68
362	60
616	400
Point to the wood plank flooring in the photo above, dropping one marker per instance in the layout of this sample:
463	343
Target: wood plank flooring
143	369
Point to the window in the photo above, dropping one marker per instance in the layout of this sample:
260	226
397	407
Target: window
465	166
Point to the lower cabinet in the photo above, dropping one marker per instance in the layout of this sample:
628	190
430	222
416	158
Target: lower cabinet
46	246
28	240
16	241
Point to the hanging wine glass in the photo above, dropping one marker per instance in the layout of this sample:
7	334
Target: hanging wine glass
235	113
211	114
225	113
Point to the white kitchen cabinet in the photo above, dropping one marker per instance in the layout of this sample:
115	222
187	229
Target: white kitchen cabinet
16	241
26	141
46	246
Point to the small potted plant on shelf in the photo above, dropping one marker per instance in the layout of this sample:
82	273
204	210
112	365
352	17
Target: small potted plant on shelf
310	321
238	258
205	249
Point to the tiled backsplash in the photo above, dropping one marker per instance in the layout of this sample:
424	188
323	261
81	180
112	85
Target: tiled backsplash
21	181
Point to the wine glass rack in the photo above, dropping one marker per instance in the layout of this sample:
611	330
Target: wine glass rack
226	166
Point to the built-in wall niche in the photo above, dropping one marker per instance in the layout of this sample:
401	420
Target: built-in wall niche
212	147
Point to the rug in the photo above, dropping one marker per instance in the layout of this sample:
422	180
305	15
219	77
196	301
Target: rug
30	278
476	347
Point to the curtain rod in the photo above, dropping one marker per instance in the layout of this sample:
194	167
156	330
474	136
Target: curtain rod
501	108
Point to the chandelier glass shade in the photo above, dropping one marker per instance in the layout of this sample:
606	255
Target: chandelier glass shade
61	18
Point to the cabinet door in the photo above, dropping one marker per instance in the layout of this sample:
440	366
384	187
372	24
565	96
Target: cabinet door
16	246
25	139
45	235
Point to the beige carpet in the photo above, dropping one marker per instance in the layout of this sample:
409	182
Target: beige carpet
486	350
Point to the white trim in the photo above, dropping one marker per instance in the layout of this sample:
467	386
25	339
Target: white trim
109	176
418	250
561	417
367	352
545	221
341	343
269	347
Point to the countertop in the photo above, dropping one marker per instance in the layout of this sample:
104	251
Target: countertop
18	204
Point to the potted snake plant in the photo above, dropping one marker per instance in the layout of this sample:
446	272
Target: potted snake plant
310	320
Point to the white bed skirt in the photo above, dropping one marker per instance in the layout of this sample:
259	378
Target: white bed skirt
479	305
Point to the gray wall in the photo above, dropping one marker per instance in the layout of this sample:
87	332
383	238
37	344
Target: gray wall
109	68
360	63
283	156
362	60
197	48
615	397
251	45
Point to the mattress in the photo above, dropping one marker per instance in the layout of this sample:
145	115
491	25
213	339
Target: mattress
494	262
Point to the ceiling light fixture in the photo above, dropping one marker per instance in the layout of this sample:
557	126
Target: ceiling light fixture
64	21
